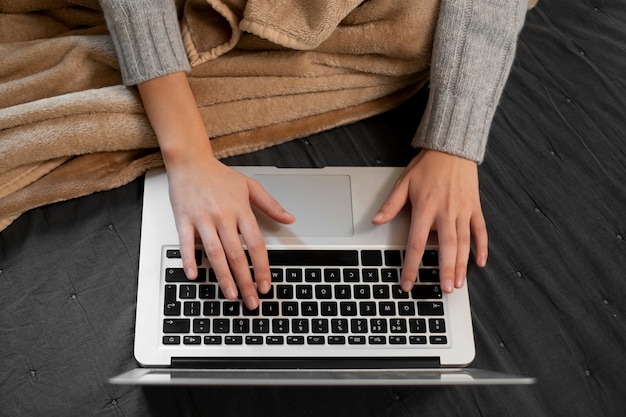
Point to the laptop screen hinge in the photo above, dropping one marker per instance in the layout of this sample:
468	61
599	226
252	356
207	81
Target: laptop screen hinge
306	363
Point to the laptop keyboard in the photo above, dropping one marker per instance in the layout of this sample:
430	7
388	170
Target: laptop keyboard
318	297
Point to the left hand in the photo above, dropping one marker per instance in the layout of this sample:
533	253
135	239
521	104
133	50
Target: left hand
444	195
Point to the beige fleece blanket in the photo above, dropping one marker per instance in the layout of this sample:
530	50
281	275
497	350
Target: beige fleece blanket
264	72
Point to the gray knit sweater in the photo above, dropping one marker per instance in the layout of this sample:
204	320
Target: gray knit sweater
473	52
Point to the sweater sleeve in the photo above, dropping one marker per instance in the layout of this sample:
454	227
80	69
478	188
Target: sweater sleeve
147	38
473	52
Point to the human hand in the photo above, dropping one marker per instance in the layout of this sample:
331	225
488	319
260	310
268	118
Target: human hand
444	195
214	201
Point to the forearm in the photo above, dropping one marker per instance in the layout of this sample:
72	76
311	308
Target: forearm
175	119
473	52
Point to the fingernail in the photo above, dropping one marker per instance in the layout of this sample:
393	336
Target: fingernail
447	286
190	273
230	293
251	302
406	286
264	287
378	216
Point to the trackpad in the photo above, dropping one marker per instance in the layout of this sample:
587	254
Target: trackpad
321	203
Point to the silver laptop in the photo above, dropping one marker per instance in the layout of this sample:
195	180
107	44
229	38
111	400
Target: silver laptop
335	314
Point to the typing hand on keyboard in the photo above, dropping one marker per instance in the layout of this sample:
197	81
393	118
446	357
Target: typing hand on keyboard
444	195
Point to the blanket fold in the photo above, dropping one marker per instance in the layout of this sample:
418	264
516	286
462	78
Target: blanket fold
68	127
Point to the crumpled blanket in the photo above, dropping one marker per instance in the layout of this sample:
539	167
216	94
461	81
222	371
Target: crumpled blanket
263	72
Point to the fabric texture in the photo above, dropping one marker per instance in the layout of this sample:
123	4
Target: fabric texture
61	139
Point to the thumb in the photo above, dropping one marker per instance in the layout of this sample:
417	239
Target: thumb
392	206
260	198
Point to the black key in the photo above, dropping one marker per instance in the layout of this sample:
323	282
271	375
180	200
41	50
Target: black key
371	258
231	308
351	275
260	326
201	325
390	275
313	257
290	308
293	275
417	340
241	325
211	308
191	340
178	275
398	293
188	291
387	308
378	325
370	275
358	325
436	325
426	292
212	278
438	340
212	340
173	254
348	308
397	340
207	292
377	340
393	258
313	275
170	293
362	292
329	308
309	308
275	340
295	340
284	292
171	340
430	309
233	340
191	308
254	340
323	292
268	295
343	292
247	312
397	325
304	292
172	308
319	325
430	258
339	325
381	291
198	255
277	274
270	308
300	325
429	275
336	340
221	326
356	340
406	308
332	275
315	340
280	325
176	326
417	325
367	308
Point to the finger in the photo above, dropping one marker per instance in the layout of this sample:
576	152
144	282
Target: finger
238	262
394	203
255	244
481	239
447	235
463	239
418	236
217	259
187	241
260	198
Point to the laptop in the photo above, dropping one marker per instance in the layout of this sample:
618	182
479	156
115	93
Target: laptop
335	314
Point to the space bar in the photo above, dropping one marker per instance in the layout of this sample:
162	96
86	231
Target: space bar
289	257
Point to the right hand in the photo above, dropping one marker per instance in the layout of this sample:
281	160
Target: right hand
213	201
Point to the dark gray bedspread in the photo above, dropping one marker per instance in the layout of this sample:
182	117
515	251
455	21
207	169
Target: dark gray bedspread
550	304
